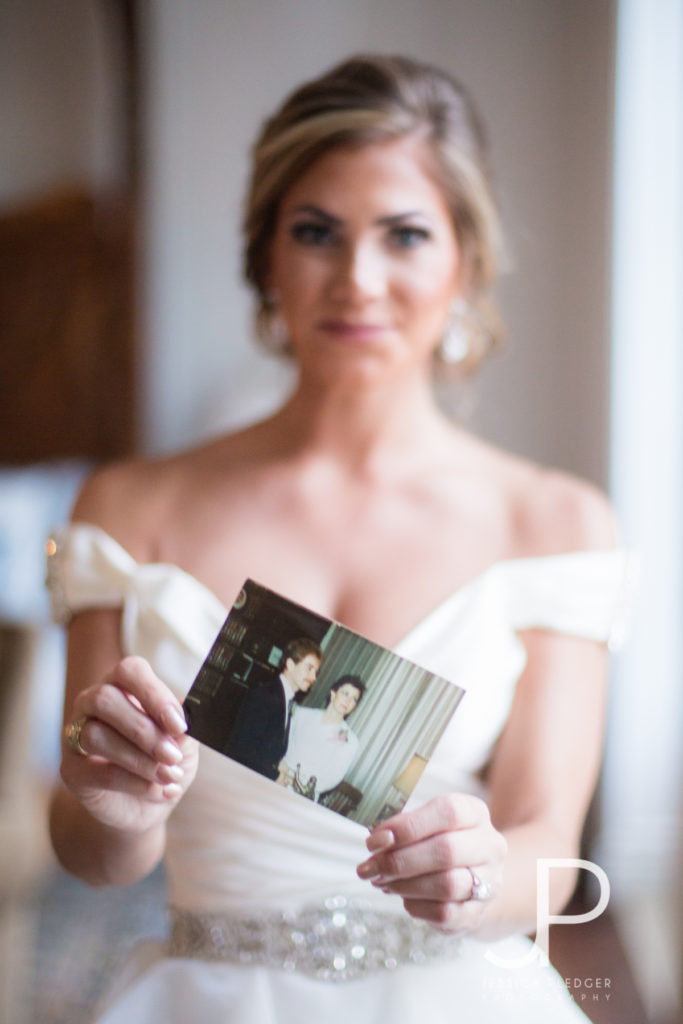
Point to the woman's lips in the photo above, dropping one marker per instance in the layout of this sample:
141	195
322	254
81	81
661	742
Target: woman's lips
353	331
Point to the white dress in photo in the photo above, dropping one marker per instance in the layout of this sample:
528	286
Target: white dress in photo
319	749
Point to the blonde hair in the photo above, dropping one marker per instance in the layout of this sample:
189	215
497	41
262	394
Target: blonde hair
370	99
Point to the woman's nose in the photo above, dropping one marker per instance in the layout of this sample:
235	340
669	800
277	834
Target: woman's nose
360	272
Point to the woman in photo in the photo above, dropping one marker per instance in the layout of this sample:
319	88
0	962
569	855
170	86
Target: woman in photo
322	746
371	243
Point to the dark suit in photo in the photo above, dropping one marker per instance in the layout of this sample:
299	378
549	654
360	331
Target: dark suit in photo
259	736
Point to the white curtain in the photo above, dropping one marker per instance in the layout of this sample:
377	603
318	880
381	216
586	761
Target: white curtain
402	713
641	832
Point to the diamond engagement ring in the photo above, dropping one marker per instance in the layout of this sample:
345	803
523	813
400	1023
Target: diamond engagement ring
480	890
72	736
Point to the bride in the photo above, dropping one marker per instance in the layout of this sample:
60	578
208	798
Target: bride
371	241
321	746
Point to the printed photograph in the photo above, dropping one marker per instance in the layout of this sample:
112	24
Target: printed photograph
317	708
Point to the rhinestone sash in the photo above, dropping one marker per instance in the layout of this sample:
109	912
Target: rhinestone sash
341	940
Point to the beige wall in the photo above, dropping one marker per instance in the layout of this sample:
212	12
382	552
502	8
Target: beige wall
60	97
542	72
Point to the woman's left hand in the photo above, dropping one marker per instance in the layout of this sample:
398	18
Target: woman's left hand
428	857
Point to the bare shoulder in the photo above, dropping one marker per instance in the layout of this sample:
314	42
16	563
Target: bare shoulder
144	502
130	500
554	512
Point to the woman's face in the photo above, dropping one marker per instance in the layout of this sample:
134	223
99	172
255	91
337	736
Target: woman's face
365	262
344	699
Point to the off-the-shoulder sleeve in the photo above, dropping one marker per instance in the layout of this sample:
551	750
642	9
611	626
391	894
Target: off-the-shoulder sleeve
86	569
168	616
589	594
474	640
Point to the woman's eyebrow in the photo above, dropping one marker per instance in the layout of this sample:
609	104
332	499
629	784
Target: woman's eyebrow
329	218
396	218
317	211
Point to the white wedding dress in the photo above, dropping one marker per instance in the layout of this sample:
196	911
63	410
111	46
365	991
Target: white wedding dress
319	749
247	858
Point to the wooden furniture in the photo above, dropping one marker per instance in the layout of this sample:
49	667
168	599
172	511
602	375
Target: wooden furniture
24	847
66	329
344	798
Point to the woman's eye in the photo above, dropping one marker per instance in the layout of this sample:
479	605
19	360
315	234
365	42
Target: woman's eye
407	236
309	233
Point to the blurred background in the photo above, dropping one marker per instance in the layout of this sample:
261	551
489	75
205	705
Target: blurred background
124	326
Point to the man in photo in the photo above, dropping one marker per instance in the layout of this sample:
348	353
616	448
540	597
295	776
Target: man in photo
261	732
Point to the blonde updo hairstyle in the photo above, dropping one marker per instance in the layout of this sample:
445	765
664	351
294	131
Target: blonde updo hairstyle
369	99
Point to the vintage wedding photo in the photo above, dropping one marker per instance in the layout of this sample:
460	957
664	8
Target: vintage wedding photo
317	708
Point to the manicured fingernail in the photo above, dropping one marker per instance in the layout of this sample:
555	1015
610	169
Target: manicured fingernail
168	751
382	839
368	869
172	790
173	719
169	773
379	882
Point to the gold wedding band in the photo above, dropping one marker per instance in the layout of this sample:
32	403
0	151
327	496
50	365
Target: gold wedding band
72	736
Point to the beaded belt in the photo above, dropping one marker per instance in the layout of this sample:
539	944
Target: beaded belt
341	940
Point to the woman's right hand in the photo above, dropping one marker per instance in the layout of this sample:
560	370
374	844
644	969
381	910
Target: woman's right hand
285	774
138	761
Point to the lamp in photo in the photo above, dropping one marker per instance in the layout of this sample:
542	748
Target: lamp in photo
408	779
404	783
